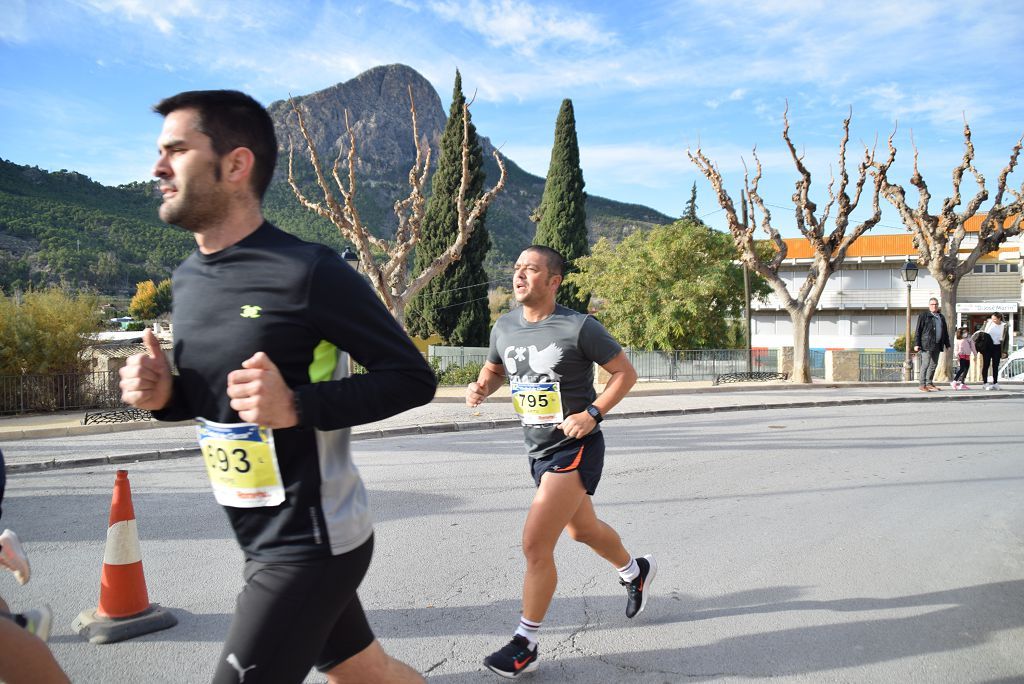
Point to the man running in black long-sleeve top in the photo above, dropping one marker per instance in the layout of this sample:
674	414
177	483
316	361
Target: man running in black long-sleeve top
260	337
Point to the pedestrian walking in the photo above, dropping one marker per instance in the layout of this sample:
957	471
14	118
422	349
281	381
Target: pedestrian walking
260	338
964	349
996	329
548	353
931	337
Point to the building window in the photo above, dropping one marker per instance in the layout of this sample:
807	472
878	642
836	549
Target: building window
1013	268
990	268
860	325
883	325
879	279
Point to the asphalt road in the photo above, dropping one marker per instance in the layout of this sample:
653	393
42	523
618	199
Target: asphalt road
878	543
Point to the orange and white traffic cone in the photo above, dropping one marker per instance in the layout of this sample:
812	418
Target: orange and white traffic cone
124	610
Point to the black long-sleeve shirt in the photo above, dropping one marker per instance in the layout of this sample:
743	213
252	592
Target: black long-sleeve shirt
303	306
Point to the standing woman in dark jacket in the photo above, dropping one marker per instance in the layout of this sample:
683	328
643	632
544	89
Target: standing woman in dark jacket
931	338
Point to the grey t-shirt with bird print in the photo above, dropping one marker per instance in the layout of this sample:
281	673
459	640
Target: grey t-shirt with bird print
550	365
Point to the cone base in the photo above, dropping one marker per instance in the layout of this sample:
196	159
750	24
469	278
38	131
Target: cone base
103	630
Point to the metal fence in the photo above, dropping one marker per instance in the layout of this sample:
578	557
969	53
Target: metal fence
58	392
699	364
816	361
881	366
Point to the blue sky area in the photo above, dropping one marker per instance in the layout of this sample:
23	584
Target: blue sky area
648	80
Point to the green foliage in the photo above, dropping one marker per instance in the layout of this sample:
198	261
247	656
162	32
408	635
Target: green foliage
690	213
41	331
900	343
562	214
64	228
670	287
454	303
456	375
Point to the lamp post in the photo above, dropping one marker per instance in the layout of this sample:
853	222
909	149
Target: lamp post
352	259
909	275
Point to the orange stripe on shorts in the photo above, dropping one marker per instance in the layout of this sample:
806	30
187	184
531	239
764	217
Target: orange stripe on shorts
572	466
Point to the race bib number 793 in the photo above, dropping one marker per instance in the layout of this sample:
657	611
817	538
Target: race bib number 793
241	462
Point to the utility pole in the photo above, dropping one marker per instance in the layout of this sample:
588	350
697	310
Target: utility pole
746	295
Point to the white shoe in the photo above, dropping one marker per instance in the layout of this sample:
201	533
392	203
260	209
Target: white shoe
38	621
954	385
994	386
13	557
986	386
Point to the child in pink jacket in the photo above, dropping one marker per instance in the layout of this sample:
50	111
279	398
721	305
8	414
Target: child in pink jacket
964	347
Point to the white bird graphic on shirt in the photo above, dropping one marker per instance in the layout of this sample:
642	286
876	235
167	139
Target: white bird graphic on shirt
543	362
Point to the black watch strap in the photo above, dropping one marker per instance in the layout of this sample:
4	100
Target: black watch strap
595	413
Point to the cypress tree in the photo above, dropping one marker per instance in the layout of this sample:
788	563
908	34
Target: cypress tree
562	216
453	304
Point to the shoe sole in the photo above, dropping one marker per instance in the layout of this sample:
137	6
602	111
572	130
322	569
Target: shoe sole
22	569
512	675
648	582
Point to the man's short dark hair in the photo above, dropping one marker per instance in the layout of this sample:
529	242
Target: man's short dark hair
232	119
556	262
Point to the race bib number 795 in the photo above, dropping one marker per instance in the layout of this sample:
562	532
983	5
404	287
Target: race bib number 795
537	403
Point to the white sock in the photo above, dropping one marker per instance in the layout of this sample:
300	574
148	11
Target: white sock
630	571
529	630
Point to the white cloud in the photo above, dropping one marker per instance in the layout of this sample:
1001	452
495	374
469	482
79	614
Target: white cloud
161	15
941	107
14	27
523	26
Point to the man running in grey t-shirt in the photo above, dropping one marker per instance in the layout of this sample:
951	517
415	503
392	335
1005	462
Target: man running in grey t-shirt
548	353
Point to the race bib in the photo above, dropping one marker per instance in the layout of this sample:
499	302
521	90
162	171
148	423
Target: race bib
537	403
242	463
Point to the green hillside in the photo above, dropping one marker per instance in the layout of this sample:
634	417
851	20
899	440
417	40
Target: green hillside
62	227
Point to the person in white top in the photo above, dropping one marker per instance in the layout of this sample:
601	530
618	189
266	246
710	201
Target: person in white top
996	330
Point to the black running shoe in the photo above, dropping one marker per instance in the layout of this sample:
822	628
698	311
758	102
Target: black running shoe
514	659
638	590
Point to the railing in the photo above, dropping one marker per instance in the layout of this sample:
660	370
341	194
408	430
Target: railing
881	366
699	364
816	361
58	392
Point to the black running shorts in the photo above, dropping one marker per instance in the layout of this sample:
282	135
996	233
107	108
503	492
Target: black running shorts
293	616
586	457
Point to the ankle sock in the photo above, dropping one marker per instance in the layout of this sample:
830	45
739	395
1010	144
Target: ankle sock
528	629
630	571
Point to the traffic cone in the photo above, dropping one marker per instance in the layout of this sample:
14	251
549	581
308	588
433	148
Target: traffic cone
124	610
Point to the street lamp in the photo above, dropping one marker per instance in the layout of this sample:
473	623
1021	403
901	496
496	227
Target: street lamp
909	275
350	257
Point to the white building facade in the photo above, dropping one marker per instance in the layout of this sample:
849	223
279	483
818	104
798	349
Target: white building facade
864	304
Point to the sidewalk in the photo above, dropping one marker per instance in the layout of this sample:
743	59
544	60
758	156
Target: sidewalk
59	440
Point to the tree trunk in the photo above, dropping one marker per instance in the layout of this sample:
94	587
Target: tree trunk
947	290
801	347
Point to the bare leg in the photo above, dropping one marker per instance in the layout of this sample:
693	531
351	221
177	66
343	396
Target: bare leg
556	502
585	527
373	666
25	659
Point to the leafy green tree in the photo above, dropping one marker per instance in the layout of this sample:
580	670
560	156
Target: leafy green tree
42	331
454	303
670	287
562	215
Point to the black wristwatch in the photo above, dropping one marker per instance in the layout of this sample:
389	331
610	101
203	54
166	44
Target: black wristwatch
595	413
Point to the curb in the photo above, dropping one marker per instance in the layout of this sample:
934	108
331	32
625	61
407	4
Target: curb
439	428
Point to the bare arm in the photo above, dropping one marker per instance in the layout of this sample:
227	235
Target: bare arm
492	376
623	377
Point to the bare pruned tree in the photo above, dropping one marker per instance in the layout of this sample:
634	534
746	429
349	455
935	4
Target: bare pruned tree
939	239
828	246
390	277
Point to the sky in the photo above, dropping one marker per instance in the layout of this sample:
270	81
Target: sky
649	80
